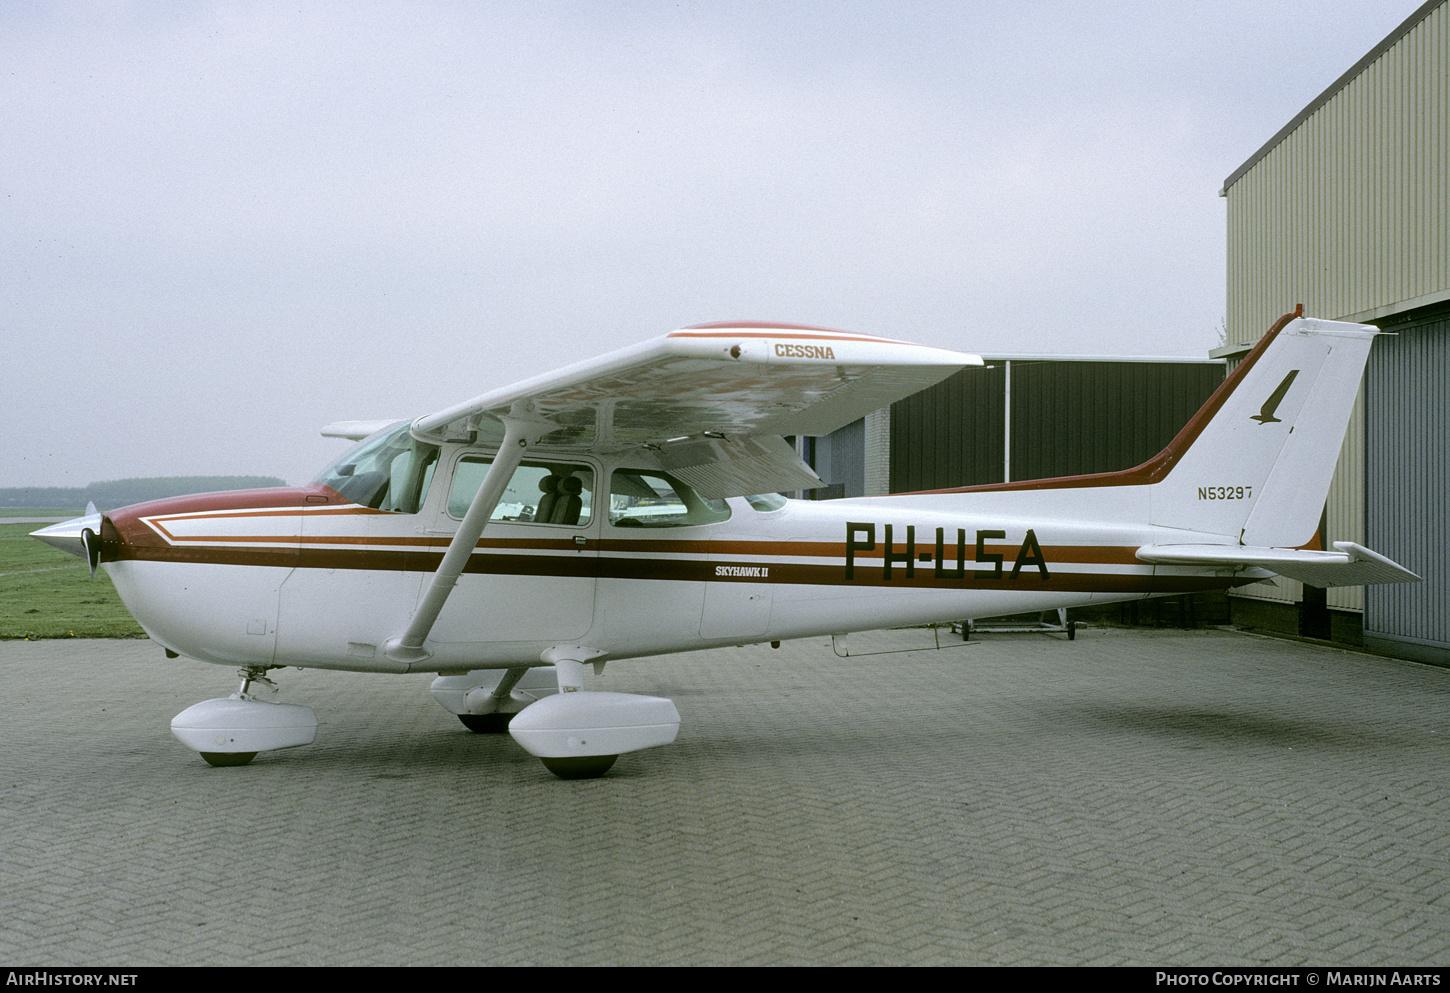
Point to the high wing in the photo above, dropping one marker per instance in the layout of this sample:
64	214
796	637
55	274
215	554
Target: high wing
711	403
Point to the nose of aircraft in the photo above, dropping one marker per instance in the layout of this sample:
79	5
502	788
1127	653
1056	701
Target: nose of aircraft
79	536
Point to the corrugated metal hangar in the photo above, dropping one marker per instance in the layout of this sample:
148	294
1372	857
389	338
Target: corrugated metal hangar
1019	417
1347	211
1036	417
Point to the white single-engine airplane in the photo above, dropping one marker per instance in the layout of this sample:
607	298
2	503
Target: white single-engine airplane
626	506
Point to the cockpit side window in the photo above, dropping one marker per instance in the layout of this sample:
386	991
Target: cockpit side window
389	471
640	498
538	492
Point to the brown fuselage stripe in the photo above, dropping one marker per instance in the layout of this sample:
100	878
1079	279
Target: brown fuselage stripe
765	551
866	574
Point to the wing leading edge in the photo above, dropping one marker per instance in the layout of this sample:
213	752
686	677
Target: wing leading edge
711	403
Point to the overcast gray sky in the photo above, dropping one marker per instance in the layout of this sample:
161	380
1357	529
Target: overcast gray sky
227	224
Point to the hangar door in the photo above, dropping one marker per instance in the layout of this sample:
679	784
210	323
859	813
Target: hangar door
1035	418
1407	483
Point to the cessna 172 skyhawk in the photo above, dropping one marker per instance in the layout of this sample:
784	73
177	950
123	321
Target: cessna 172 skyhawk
626	506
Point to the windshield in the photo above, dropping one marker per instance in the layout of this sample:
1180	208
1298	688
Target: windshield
388	471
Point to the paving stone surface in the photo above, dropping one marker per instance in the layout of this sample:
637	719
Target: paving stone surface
1130	797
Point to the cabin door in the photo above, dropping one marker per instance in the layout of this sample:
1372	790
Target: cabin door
533	574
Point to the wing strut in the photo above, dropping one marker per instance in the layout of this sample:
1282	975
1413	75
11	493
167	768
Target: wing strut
520	431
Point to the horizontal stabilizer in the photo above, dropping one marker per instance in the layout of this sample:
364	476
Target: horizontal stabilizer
1348	565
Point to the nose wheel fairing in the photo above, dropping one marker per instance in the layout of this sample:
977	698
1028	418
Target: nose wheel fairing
231	730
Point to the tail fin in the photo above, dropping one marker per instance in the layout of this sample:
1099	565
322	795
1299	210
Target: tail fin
1253	465
1256	462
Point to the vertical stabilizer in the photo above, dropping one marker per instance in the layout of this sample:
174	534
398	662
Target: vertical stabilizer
1257	464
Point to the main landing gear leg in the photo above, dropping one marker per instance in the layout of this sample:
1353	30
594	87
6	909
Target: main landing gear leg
493	720
231	731
486	700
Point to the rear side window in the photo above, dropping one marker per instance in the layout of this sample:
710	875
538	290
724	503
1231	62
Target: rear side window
640	498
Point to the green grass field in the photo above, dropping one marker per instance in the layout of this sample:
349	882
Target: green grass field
45	593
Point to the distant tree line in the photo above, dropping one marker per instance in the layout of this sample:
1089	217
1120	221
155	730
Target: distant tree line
121	492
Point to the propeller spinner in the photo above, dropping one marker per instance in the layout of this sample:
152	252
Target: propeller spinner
79	536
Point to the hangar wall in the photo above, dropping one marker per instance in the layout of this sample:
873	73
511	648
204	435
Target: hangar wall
1347	211
1037	417
1019	417
1407	482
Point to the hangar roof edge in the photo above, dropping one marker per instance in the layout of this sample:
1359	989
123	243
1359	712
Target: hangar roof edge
1339	84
